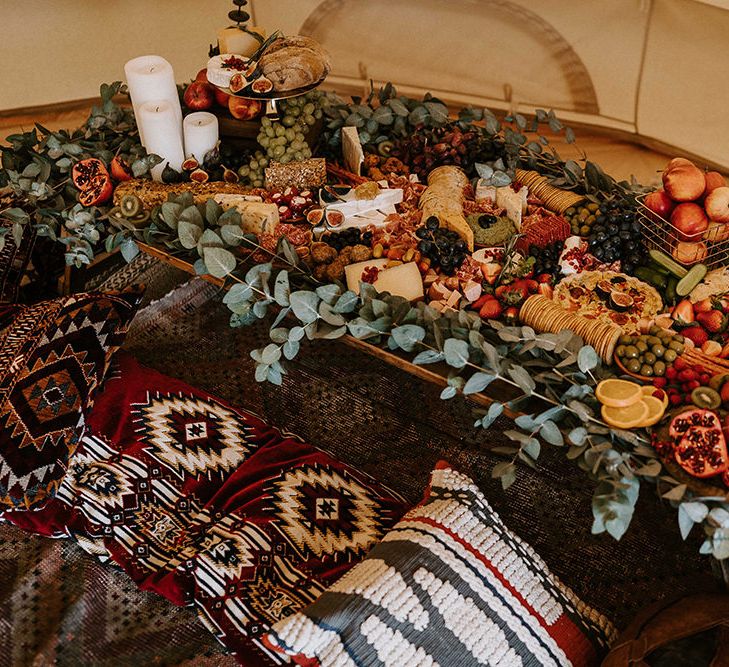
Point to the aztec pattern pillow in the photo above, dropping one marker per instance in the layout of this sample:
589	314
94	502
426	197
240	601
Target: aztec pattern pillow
208	505
53	355
448	585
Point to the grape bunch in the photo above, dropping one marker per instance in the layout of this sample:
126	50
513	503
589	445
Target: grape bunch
428	148
443	247
546	260
348	237
616	235
284	140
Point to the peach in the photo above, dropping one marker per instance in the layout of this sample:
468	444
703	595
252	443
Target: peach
683	180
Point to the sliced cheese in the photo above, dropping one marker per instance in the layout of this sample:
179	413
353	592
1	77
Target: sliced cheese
401	280
256	217
485	191
352	150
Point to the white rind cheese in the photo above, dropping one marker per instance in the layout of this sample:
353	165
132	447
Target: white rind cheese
256	217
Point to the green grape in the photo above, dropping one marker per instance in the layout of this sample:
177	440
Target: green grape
264	142
278	151
270	132
280	131
263	162
244	170
266	121
288	121
300	136
298	155
309	109
258	183
309	120
285	159
318	114
290	134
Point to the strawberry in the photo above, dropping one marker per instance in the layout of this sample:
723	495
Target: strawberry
659	394
714	321
703	306
476	305
683	313
696	335
511	315
532	286
687	375
491	309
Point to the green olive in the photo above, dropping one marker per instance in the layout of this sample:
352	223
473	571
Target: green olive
669	356
620	351
631	352
646	370
642	346
649	358
675	345
655	330
584	230
653	340
625	340
659	368
658	350
633	366
679	338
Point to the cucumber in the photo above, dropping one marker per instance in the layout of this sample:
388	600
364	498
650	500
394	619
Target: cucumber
694	276
648	275
664	260
654	266
670	292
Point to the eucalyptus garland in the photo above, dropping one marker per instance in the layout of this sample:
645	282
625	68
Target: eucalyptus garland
557	373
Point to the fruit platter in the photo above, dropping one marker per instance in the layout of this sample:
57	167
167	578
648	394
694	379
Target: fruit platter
595	313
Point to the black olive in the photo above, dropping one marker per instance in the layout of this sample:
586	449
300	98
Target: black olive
485	221
422	232
432	223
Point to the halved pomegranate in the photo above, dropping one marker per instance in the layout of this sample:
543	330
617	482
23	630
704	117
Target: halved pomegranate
700	445
92	179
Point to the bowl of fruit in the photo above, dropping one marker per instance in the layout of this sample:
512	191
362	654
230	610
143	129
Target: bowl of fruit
650	355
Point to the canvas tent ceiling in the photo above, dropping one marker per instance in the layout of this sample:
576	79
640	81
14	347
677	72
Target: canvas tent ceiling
657	69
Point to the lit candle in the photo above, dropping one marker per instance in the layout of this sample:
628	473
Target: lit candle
201	134
158	120
151	79
235	40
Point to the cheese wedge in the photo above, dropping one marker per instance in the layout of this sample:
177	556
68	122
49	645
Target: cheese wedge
401	280
513	202
256	217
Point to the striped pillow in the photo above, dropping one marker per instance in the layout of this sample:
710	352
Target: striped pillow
448	585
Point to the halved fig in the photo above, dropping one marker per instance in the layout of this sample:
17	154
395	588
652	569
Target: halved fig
261	85
315	216
190	164
199	176
237	83
621	302
230	176
334	218
604	288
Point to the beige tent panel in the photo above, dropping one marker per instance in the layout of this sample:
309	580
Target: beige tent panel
654	68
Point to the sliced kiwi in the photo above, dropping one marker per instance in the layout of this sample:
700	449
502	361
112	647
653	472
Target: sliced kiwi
130	206
705	398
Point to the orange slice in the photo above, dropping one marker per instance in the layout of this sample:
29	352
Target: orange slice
656	409
616	393
626	417
648	391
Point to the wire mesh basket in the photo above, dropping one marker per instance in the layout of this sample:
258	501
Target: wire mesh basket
710	247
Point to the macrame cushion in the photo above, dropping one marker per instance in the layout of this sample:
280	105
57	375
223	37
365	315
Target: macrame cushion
53	355
448	585
207	504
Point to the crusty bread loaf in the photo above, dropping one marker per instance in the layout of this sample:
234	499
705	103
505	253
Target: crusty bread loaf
302	42
152	193
292	67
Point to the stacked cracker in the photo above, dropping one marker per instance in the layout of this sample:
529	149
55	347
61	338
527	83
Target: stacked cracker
554	199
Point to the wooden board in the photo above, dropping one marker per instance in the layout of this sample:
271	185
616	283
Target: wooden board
436	374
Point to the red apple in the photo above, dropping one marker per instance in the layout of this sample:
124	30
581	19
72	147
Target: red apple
683	180
243	109
660	203
717	231
717	204
713	180
202	75
690	220
689	253
221	98
199	96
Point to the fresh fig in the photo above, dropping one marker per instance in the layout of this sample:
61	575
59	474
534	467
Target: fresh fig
199	176
190	164
237	83
262	85
315	216
230	176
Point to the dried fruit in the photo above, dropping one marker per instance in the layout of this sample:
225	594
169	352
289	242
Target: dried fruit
93	181
700	445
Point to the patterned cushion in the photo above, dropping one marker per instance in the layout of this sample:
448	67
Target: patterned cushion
52	357
209	505
448	585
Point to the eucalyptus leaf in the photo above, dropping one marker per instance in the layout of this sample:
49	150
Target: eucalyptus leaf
551	433
455	352
428	357
478	382
282	289
587	358
329	316
448	392
220	262
408	336
329	293
279	334
129	250
346	303
188	233
232	235
291	348
305	306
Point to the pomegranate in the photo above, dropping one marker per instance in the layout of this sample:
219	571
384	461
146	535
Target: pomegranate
700	445
120	170
93	182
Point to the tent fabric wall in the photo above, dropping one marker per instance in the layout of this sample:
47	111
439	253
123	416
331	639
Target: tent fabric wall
653	68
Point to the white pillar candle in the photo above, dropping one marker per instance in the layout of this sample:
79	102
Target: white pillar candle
201	134
151	79
235	40
161	128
